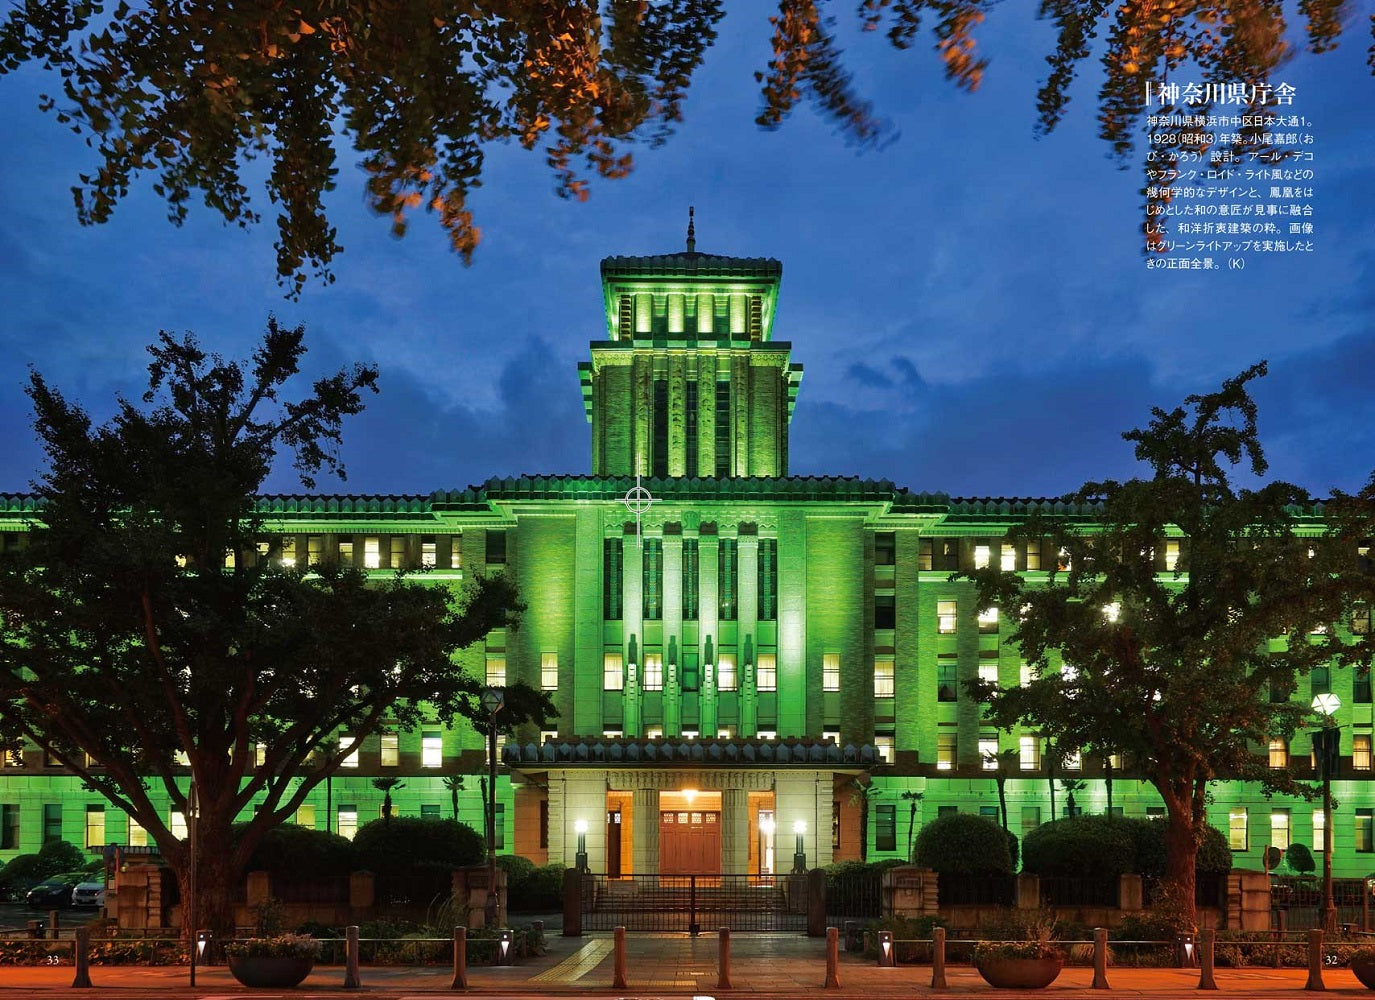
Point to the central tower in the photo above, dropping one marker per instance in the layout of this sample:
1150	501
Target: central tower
690	381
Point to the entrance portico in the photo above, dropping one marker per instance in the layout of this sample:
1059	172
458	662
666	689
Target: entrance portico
644	814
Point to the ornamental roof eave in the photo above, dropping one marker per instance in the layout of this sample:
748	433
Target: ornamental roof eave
630	752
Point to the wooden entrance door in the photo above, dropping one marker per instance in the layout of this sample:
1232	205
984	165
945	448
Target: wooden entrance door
689	842
613	843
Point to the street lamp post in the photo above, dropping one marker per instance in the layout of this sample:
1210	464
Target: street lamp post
800	855
1327	743
193	811
580	827
492	701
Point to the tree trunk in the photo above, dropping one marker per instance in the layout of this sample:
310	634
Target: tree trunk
216	874
1182	828
1002	799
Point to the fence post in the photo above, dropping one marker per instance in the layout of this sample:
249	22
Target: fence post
81	949
885	948
351	981
723	960
1206	938
693	929
1100	959
832	958
618	963
938	959
460	959
52	925
1315	960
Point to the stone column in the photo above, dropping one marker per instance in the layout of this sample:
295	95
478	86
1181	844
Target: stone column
677	420
673	630
632	617
735	831
645	831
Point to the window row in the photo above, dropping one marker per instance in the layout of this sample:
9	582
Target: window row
1281	832
724	672
652	579
1280	757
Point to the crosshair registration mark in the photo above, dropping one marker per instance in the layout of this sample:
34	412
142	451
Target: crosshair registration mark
637	501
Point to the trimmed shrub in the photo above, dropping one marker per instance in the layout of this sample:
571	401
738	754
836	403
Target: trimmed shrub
1080	845
1149	835
19	876
963	844
302	852
1300	859
58	856
544	891
408	843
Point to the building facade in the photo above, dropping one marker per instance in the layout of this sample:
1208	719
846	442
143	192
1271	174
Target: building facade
748	666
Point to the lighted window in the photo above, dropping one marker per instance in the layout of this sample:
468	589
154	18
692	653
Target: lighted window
1279	753
1365	831
549	671
1030	748
429	554
884	747
1319	830
455	553
1033	554
177	824
288	556
766	672
946	749
725	732
431	748
259	754
13	757
726	678
692	734
983	555
988	620
945	617
346	553
352	759
1115	760
95	826
1360	752
885	612
654	733
613	734
830	671
988	671
1279	829
496	671
988	751
305	816
1025	673
391	750
1072	761
138	836
1237	838
1063	561
1112	612
346	821
883	677
372	552
763	734
180	757
831	734
548	736
654	672
947	679
1007	558
1171	555
613	672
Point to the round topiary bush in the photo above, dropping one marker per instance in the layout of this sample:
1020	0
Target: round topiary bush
302	851
1300	859
963	844
1149	836
1080	845
58	856
408	842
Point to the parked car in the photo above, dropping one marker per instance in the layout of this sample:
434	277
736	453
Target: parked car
89	894
55	891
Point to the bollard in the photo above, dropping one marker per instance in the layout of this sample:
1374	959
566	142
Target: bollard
1206	940
351	980
81	948
723	960
832	958
618	965
885	949
52	925
1100	959
460	959
1314	960
938	959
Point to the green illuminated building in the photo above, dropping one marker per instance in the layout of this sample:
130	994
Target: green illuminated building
739	659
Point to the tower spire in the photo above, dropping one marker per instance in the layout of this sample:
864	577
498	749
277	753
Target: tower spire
692	233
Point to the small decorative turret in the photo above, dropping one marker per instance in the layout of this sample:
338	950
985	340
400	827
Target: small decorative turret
692	233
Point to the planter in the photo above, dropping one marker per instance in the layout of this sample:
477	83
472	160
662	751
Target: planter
1364	968
1019	973
270	971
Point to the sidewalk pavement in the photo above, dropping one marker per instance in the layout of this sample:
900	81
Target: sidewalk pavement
663	965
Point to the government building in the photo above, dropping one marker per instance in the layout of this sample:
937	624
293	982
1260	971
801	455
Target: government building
748	665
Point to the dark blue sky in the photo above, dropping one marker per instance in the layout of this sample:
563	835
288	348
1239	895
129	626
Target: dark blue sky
969	301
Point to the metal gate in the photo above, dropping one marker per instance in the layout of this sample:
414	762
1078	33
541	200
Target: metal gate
693	903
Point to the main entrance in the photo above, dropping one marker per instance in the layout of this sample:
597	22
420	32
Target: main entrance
689	833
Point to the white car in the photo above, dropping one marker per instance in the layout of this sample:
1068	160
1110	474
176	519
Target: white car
89	894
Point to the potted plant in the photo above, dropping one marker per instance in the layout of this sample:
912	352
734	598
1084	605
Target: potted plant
1362	963
278	962
1018	965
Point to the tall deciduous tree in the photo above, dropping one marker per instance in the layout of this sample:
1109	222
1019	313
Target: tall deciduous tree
191	91
149	640
1175	666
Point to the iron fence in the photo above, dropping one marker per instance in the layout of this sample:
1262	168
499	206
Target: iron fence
1210	889
322	889
976	890
693	903
1057	890
856	895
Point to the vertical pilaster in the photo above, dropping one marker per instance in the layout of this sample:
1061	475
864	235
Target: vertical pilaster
645	830
706	416
735	831
748	549
633	619
643	375
740	413
673	630
793	692
709	608
579	698
764	420
677	425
